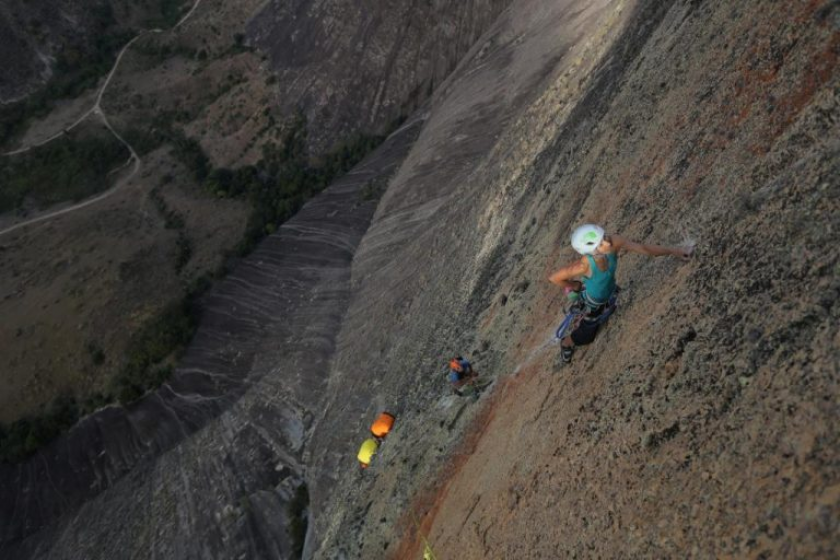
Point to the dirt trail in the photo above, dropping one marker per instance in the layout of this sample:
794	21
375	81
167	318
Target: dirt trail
97	110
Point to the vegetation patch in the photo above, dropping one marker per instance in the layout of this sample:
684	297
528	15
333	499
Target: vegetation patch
22	438
158	49
69	168
154	349
174	221
189	152
170	13
285	178
77	68
297	511
25	436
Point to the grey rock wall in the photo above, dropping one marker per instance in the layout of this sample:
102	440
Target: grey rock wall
358	65
636	114
668	122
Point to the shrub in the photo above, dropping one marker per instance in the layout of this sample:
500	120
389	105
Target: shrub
298	519
97	355
189	152
25	436
184	254
285	178
69	168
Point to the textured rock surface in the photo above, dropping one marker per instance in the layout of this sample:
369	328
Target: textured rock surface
700	423
358	65
203	467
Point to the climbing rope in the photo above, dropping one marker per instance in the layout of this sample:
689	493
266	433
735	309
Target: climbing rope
428	553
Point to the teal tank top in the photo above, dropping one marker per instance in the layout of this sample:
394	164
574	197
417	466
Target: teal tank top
601	285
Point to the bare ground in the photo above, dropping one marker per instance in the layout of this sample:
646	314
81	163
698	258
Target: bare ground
66	113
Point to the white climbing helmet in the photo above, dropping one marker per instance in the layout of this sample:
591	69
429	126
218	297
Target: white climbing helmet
586	238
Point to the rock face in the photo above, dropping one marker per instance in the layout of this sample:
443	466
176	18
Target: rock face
204	466
701	420
358	65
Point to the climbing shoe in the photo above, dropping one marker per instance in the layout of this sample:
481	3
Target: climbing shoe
566	354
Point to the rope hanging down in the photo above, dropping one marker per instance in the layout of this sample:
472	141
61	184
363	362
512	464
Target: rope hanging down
428	553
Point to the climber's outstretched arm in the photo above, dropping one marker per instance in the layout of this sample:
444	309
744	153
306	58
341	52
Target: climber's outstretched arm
621	243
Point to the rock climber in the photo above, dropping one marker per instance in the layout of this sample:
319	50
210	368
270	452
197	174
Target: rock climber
461	374
592	277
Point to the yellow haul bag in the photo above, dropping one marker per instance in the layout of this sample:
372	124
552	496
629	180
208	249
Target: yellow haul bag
367	451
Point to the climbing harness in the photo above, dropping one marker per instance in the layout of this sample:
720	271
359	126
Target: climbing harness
578	310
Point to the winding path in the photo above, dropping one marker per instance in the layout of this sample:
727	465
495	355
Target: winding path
97	110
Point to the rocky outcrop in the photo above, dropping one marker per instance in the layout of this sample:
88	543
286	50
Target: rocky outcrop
357	66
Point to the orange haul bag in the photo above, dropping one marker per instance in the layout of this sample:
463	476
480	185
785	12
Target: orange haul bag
382	426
